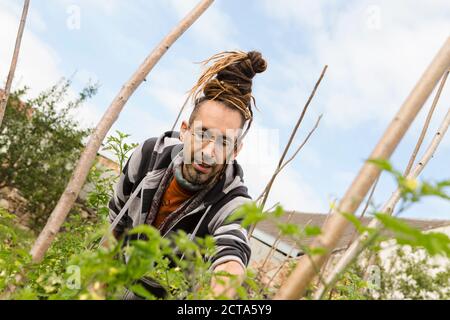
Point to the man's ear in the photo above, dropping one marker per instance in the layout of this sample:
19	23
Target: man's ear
183	130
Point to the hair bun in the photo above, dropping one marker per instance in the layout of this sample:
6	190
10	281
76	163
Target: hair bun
258	63
228	79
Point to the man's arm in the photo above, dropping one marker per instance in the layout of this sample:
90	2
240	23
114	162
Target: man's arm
232	248
224	285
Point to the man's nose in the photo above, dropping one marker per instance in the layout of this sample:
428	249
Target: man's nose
208	149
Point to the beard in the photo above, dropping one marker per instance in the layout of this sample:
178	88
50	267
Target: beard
200	170
199	174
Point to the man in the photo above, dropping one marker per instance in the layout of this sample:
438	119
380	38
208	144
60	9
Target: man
190	180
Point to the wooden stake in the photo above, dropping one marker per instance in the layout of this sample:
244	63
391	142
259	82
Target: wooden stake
12	69
355	248
296	284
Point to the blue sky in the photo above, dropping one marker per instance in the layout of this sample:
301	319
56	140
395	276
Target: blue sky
375	50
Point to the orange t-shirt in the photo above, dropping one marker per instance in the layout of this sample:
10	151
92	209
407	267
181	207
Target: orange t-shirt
174	196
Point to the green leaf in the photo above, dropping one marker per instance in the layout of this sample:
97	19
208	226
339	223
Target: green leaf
434	243
316	251
355	221
279	212
288	229
147	230
312	231
383	164
248	213
396	225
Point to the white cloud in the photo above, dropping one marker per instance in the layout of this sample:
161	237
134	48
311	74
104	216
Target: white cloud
372	65
108	7
213	29
296	12
285	88
145	123
168	83
85	76
259	157
87	115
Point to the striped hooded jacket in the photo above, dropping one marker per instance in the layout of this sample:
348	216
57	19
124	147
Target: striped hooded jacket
148	164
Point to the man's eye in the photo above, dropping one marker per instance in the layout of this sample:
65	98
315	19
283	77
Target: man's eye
200	135
207	136
226	143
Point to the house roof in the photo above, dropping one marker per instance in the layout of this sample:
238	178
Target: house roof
266	231
106	161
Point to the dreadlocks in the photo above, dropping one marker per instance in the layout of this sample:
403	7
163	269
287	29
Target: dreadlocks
229	80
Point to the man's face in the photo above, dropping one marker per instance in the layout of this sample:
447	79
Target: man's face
210	141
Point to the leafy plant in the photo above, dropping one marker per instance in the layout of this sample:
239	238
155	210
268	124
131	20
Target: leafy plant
74	268
40	144
120	148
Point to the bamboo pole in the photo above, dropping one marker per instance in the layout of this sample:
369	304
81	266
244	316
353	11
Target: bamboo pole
355	248
296	284
12	69
414	153
426	124
87	158
361	216
371	259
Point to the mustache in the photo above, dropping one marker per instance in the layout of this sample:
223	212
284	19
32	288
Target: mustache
204	158
200	158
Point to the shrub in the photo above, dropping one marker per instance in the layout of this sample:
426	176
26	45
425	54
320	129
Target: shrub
40	144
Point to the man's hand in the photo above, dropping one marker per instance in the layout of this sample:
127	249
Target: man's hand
223	285
109	242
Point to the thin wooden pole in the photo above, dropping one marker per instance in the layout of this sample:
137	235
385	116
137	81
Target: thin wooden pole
12	69
296	284
264	195
291	138
87	158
